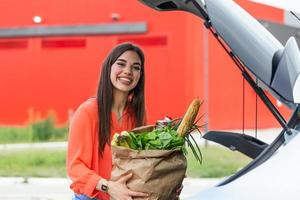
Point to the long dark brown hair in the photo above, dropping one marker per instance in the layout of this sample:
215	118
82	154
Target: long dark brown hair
105	94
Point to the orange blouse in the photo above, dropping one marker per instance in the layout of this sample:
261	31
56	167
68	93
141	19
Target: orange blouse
84	164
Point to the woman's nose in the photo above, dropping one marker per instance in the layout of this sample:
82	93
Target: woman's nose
128	69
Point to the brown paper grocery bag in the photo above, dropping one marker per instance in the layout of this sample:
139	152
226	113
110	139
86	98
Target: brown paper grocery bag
157	172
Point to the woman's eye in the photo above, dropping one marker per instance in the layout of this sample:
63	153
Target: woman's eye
121	64
137	68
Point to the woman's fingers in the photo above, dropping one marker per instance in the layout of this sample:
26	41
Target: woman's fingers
129	193
138	194
125	178
178	190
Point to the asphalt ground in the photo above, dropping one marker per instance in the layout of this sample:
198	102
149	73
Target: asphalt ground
17	188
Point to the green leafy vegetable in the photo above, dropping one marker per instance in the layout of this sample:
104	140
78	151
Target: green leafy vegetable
163	137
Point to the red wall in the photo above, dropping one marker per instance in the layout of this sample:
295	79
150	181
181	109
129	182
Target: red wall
36	78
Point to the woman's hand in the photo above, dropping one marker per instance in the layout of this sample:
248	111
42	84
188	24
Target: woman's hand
178	191
119	190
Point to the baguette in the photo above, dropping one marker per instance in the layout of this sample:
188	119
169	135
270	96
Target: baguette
189	118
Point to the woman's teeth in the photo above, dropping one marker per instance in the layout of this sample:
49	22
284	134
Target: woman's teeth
125	80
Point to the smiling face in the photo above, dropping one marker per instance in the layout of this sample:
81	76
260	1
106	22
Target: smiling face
126	71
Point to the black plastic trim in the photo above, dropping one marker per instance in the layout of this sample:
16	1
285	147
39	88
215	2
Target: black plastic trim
245	144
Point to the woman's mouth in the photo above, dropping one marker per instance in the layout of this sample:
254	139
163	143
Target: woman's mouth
125	81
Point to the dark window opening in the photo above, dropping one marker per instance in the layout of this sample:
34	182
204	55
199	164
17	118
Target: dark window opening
63	43
13	44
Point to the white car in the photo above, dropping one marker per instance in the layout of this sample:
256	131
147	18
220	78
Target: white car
274	172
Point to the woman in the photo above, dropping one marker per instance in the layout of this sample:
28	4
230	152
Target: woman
119	105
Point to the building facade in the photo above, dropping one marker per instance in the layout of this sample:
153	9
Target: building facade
51	54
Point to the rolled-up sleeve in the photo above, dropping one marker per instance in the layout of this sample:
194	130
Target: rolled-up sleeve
79	154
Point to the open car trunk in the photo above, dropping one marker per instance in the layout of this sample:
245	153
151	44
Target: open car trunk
258	54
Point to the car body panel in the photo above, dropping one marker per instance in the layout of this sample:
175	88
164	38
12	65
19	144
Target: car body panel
277	178
247	38
287	75
258	49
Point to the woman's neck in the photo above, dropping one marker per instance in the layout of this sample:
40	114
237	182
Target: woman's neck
119	103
